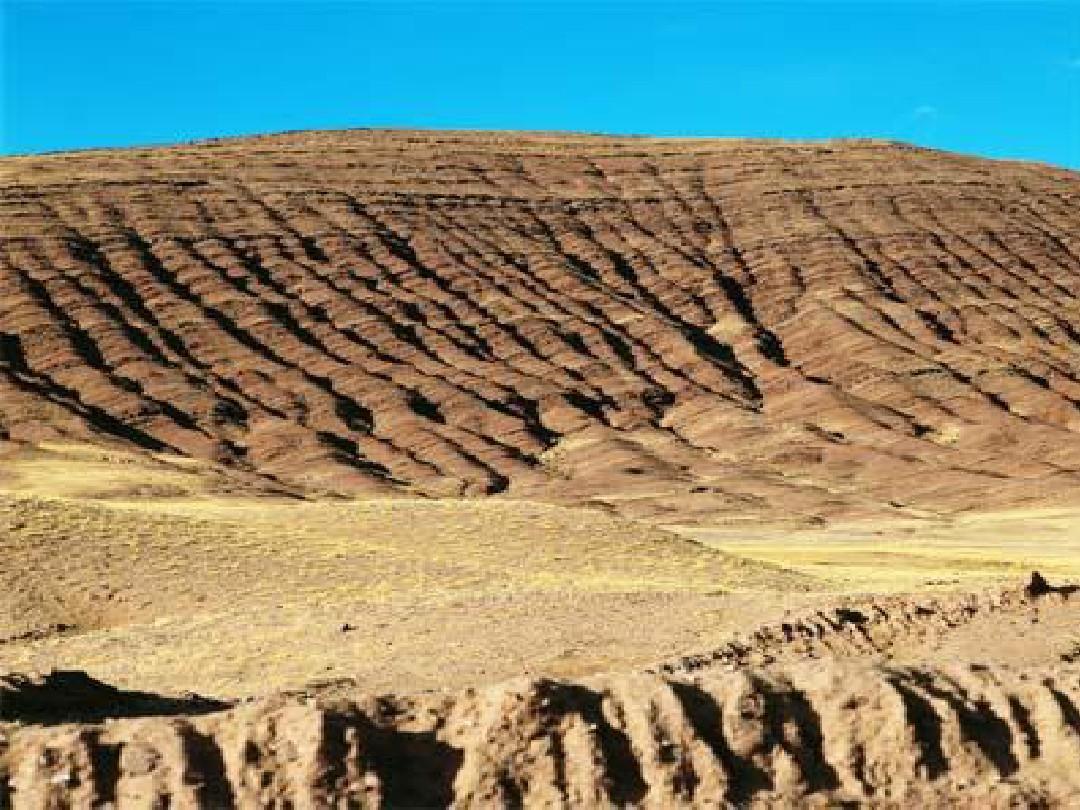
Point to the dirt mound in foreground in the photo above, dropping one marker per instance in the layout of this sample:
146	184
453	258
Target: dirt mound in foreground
845	705
813	734
678	327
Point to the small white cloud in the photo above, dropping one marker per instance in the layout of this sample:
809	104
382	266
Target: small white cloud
925	111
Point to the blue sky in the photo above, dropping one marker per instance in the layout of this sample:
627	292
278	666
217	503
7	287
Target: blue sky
996	78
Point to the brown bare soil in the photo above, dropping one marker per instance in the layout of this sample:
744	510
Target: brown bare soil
770	437
852	729
675	328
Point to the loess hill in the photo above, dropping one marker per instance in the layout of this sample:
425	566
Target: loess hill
693	327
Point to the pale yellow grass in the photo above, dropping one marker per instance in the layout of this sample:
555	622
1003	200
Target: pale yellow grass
139	570
915	554
232	595
82	471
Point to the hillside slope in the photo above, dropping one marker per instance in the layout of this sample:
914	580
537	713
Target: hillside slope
685	326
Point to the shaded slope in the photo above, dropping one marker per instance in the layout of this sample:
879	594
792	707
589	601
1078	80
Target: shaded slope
698	326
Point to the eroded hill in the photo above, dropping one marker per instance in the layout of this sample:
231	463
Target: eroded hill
672	327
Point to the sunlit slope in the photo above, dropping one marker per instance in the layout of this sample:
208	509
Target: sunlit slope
676	327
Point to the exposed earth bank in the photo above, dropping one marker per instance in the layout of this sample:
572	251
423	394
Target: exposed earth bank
861	726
